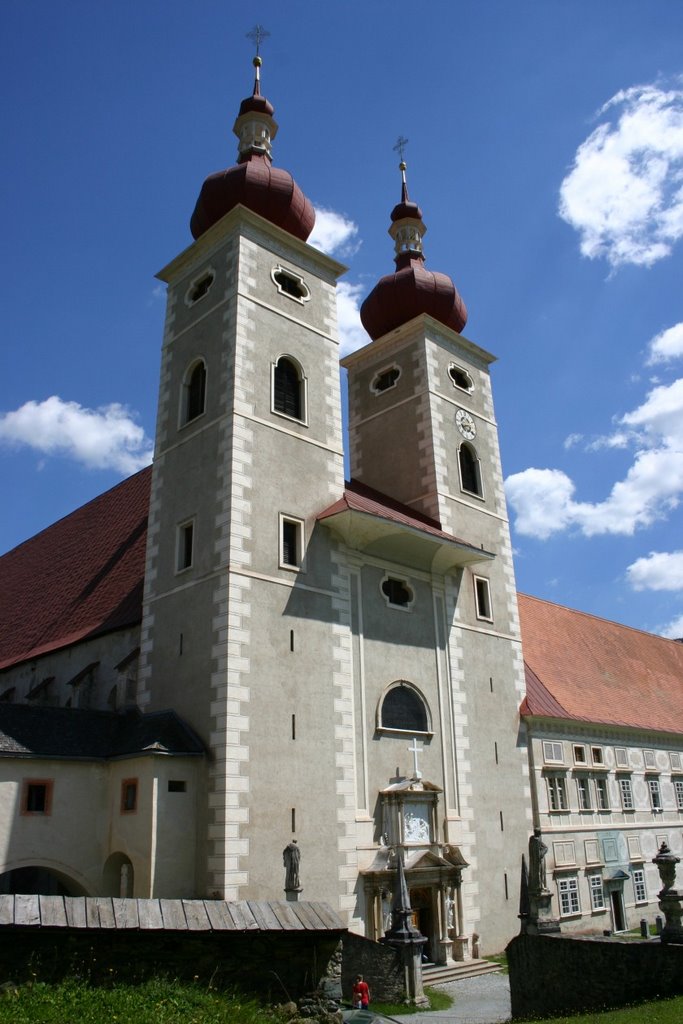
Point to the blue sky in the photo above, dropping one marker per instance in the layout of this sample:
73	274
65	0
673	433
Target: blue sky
546	151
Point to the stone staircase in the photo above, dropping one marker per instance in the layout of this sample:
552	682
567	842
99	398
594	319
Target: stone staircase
440	974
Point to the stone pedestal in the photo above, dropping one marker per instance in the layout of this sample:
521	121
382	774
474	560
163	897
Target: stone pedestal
445	952
540	920
292	895
671	906
461	948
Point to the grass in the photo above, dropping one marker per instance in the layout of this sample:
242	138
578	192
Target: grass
438	1000
666	1011
155	1002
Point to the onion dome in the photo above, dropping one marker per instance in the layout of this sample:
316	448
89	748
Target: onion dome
398	298
253	181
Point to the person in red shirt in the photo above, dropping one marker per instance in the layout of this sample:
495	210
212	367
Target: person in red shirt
361	993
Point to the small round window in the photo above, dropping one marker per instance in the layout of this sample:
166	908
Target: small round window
460	378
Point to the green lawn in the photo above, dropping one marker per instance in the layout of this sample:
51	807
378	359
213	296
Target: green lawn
668	1011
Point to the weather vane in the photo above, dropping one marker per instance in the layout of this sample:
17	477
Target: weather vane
401	144
257	35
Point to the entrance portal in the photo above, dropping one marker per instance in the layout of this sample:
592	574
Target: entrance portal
617	901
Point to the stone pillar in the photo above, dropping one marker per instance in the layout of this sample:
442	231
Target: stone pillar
445	943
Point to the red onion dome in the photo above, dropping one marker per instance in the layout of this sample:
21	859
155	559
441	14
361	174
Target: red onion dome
254	182
412	290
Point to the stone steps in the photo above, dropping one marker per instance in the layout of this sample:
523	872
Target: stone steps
440	974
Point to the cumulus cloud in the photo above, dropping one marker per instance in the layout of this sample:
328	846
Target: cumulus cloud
657	571
543	500
351	332
104	438
666	345
334	234
673	629
624	193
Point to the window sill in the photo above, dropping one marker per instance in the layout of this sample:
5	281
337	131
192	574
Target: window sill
290	419
390	730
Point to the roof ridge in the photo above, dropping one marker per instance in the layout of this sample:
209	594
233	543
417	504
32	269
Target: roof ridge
598	618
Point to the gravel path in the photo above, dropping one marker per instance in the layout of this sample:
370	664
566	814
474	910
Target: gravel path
484	1000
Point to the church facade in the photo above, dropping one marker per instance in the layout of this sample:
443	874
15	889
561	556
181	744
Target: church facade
236	652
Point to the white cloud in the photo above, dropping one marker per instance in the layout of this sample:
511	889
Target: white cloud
673	629
572	440
104	438
666	345
624	193
543	499
657	571
334	234
351	331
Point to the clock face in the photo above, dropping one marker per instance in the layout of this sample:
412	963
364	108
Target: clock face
465	424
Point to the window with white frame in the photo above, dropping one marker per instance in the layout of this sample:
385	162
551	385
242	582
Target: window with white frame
289	389
568	889
482	597
290	284
649	759
655	793
470	470
601	794
553	753
597	756
579	753
678	790
291	542
461	378
675	759
592	851
584	793
597	892
621	757
639	887
626	790
557	793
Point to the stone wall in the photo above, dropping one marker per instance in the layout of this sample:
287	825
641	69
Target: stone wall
380	965
277	966
557	974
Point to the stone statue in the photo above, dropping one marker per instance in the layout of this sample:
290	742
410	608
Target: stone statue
537	853
291	856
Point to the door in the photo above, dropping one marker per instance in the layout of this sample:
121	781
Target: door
618	922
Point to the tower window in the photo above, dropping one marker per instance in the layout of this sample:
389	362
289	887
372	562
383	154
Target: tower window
385	380
290	284
291	542
461	378
397	592
185	550
470	472
199	287
194	392
288	389
482	596
37	796
129	796
404	709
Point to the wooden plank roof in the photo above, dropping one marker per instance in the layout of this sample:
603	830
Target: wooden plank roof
115	914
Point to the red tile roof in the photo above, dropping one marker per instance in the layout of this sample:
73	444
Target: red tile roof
589	669
78	578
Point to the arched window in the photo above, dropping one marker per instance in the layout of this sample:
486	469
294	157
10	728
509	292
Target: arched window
288	389
194	392
470	473
403	708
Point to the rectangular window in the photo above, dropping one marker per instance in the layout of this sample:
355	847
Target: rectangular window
626	794
564	853
583	789
557	793
602	794
633	843
579	754
649	759
678	790
592	851
177	786
655	794
37	796
129	796
482	595
639	887
597	892
621	757
610	849
597	756
185	546
291	542
569	896
553	752
675	761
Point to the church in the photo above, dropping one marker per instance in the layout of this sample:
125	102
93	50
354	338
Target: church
236	652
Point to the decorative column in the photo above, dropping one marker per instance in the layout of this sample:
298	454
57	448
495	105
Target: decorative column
669	900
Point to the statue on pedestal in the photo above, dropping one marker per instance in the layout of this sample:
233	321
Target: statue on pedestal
291	858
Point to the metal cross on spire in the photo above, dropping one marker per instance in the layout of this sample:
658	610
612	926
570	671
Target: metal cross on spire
400	146
257	35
